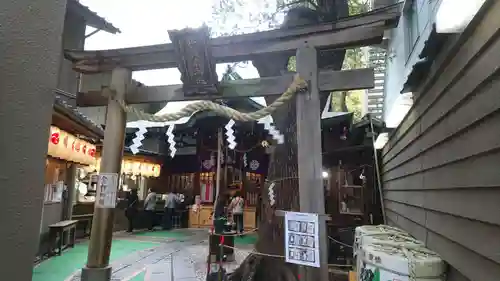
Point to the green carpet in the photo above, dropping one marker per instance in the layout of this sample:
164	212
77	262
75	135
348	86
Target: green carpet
139	277
163	234
248	239
61	267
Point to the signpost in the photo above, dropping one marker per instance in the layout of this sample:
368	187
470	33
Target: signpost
107	188
302	239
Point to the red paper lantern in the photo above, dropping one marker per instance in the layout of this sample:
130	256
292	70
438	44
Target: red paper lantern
92	152
84	149
54	138
65	141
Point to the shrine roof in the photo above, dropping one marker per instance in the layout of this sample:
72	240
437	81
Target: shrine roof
144	152
78	122
91	18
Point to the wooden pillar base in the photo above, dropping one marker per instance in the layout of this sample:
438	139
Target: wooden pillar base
215	250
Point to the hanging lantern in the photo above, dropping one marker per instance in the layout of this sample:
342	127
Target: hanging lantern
54	138
156	170
98	165
137	168
127	167
145	169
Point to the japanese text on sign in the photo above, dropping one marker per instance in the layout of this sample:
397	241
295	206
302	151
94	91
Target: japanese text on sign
107	188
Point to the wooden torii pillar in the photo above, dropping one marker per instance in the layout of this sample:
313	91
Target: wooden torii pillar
356	32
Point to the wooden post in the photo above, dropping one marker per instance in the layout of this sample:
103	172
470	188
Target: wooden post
98	268
70	191
218	171
71	174
311	193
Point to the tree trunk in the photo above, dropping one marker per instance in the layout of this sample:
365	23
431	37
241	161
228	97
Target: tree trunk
283	171
343	101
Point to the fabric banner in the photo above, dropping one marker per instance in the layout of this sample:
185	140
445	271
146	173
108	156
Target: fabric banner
256	163
207	162
207	191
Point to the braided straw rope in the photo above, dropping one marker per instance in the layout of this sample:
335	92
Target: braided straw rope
296	85
409	252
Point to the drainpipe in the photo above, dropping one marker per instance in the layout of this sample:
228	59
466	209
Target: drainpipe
377	171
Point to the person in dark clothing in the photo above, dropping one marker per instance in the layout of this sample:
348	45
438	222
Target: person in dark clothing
131	211
181	211
258	210
171	202
220	214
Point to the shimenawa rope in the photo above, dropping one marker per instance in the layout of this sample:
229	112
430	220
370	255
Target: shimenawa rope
221	110
274	256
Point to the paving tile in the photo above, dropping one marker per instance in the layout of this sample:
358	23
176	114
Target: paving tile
181	260
159	272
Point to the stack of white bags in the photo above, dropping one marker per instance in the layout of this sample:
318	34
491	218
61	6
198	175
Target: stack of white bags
387	253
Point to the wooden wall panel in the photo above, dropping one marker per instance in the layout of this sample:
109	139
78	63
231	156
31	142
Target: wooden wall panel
463	52
441	167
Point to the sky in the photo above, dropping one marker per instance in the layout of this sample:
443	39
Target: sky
147	22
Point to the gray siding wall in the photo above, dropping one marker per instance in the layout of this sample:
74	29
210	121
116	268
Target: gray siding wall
73	38
441	167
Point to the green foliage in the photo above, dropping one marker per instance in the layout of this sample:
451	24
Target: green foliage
292	64
358	7
353	102
234	17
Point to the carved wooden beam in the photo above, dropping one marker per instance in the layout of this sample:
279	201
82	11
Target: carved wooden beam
195	61
328	81
351	32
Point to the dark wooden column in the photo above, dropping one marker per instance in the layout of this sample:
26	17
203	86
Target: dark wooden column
30	53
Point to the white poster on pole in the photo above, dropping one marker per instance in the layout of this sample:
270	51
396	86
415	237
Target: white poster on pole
302	239
107	188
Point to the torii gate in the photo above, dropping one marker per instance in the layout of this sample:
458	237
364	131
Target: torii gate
348	33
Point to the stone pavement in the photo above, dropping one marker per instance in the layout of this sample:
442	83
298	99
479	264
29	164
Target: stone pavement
181	259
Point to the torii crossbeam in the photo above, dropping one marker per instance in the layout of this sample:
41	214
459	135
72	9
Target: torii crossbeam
357	31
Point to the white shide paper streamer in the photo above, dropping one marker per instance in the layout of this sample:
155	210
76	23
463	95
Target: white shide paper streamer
271	194
137	141
171	140
275	134
230	138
